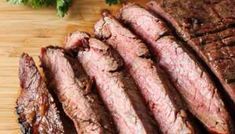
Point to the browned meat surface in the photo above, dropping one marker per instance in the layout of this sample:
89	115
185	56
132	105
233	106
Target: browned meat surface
160	96
218	51
73	88
185	72
115	86
207	27
193	18
35	106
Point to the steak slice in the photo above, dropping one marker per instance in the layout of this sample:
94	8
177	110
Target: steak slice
161	97
115	86
35	106
207	27
190	78
73	89
193	18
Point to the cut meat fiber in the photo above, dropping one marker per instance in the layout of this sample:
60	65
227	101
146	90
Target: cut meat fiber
161	97
114	84
166	69
190	78
74	90
207	27
35	105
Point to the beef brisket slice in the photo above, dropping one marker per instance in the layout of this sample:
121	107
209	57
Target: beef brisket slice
207	27
35	105
161	97
185	72
73	89
115	86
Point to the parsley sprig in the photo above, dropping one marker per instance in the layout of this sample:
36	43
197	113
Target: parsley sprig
62	6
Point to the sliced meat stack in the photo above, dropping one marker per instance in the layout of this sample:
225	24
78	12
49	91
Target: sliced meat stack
160	96
73	88
35	105
185	72
208	27
115	86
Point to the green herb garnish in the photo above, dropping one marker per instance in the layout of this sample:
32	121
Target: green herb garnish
110	2
62	6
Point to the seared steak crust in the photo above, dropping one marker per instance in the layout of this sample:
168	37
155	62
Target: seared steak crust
194	18
35	106
115	86
73	88
160	96
208	27
185	72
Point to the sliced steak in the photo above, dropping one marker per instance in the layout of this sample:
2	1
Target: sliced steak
35	106
73	88
193	18
208	27
115	86
160	96
185	72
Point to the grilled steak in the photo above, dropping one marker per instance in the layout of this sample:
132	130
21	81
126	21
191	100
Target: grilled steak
161	97
185	72
207	27
115	86
35	106
73	89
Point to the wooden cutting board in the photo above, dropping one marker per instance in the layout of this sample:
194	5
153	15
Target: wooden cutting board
23	29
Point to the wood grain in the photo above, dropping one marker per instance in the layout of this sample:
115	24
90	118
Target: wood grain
25	30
